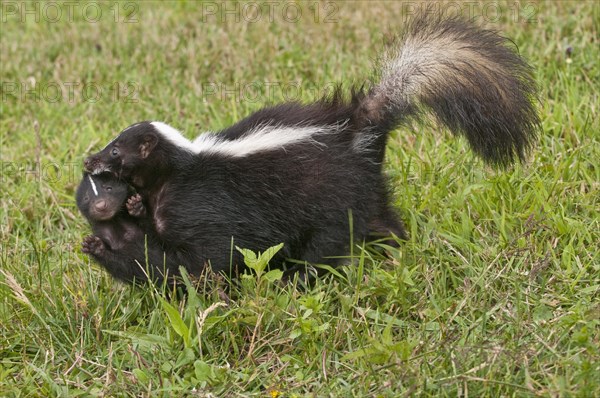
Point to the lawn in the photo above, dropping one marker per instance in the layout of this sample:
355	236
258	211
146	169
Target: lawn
496	293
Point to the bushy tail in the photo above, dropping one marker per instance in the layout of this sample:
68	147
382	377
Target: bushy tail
470	78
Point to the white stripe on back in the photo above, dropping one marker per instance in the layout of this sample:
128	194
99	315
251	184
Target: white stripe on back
263	138
174	136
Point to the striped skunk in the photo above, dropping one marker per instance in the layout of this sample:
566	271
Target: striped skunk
122	242
310	175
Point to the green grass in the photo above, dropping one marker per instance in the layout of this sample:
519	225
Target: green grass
497	292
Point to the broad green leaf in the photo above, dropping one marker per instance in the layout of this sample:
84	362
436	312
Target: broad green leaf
259	263
274	275
176	322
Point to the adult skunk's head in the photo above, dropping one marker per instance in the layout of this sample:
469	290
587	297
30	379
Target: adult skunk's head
100	197
130	147
141	148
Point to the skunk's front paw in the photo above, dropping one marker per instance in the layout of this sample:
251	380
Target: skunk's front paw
93	245
135	207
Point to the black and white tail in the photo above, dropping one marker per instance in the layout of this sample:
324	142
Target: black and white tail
472	80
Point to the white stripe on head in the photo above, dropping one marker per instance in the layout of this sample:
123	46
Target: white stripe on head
93	184
114	139
173	135
263	138
130	127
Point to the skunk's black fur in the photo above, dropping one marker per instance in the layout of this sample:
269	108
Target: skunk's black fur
122	243
201	202
296	173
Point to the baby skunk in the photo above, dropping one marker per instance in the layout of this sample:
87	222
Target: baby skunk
119	243
303	174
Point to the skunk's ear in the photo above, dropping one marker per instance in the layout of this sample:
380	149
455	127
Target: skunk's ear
149	141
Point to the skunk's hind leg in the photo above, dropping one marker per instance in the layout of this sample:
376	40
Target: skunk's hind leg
385	224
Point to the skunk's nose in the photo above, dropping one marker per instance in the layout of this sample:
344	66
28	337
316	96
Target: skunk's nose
100	205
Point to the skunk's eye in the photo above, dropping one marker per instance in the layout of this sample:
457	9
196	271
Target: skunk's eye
114	152
108	189
86	198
